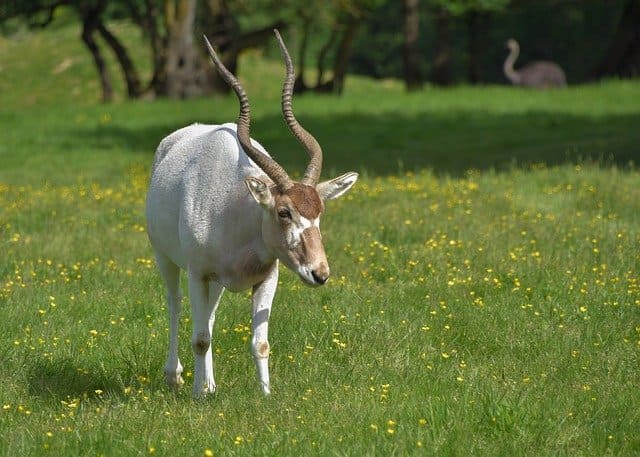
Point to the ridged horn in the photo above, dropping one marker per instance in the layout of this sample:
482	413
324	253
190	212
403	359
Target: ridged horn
266	163
312	173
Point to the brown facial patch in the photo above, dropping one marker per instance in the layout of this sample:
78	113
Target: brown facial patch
306	200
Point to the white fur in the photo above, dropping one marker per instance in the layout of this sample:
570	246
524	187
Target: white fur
206	215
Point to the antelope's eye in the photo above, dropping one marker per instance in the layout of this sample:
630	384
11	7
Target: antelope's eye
284	213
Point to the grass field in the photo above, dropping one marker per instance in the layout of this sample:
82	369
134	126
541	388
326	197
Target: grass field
485	297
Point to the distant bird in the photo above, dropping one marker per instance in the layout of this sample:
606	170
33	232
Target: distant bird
541	74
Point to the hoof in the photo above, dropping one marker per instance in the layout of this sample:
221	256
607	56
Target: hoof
204	391
174	380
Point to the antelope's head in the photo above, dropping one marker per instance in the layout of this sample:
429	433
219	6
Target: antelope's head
291	226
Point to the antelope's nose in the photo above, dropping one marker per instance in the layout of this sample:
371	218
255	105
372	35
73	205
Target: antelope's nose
320	275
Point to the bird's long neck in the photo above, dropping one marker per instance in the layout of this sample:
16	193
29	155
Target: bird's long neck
509	72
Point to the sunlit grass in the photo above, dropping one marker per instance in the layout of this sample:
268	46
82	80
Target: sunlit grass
498	307
478	305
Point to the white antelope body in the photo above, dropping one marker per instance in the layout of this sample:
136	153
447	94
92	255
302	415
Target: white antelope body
222	209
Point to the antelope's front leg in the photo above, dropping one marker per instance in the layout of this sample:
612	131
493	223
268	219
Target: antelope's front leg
205	296
262	298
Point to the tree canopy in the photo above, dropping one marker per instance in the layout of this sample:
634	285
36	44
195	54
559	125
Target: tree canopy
439	41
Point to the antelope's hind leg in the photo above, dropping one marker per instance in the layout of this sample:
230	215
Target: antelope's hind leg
170	273
204	296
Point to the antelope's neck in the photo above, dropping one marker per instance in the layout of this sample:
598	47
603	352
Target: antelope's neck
250	265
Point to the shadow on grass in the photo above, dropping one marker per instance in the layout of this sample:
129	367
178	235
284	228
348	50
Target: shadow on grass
64	379
447	143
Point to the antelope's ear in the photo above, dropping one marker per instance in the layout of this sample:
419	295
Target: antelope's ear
260	192
328	190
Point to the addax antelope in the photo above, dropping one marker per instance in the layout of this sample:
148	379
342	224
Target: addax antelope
220	208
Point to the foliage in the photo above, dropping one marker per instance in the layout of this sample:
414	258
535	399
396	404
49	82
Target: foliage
574	34
577	35
478	305
460	7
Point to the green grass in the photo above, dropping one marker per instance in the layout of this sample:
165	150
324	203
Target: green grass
485	297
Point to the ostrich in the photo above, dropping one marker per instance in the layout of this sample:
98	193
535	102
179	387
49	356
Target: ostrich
540	74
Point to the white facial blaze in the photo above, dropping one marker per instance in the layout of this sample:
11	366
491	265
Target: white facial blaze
307	249
294	234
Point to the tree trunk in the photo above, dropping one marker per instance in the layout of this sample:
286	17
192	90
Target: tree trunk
222	29
441	71
90	18
158	45
225	35
322	56
148	22
411	53
343	56
183	76
180	69
299	86
623	55
126	64
478	31
341	60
